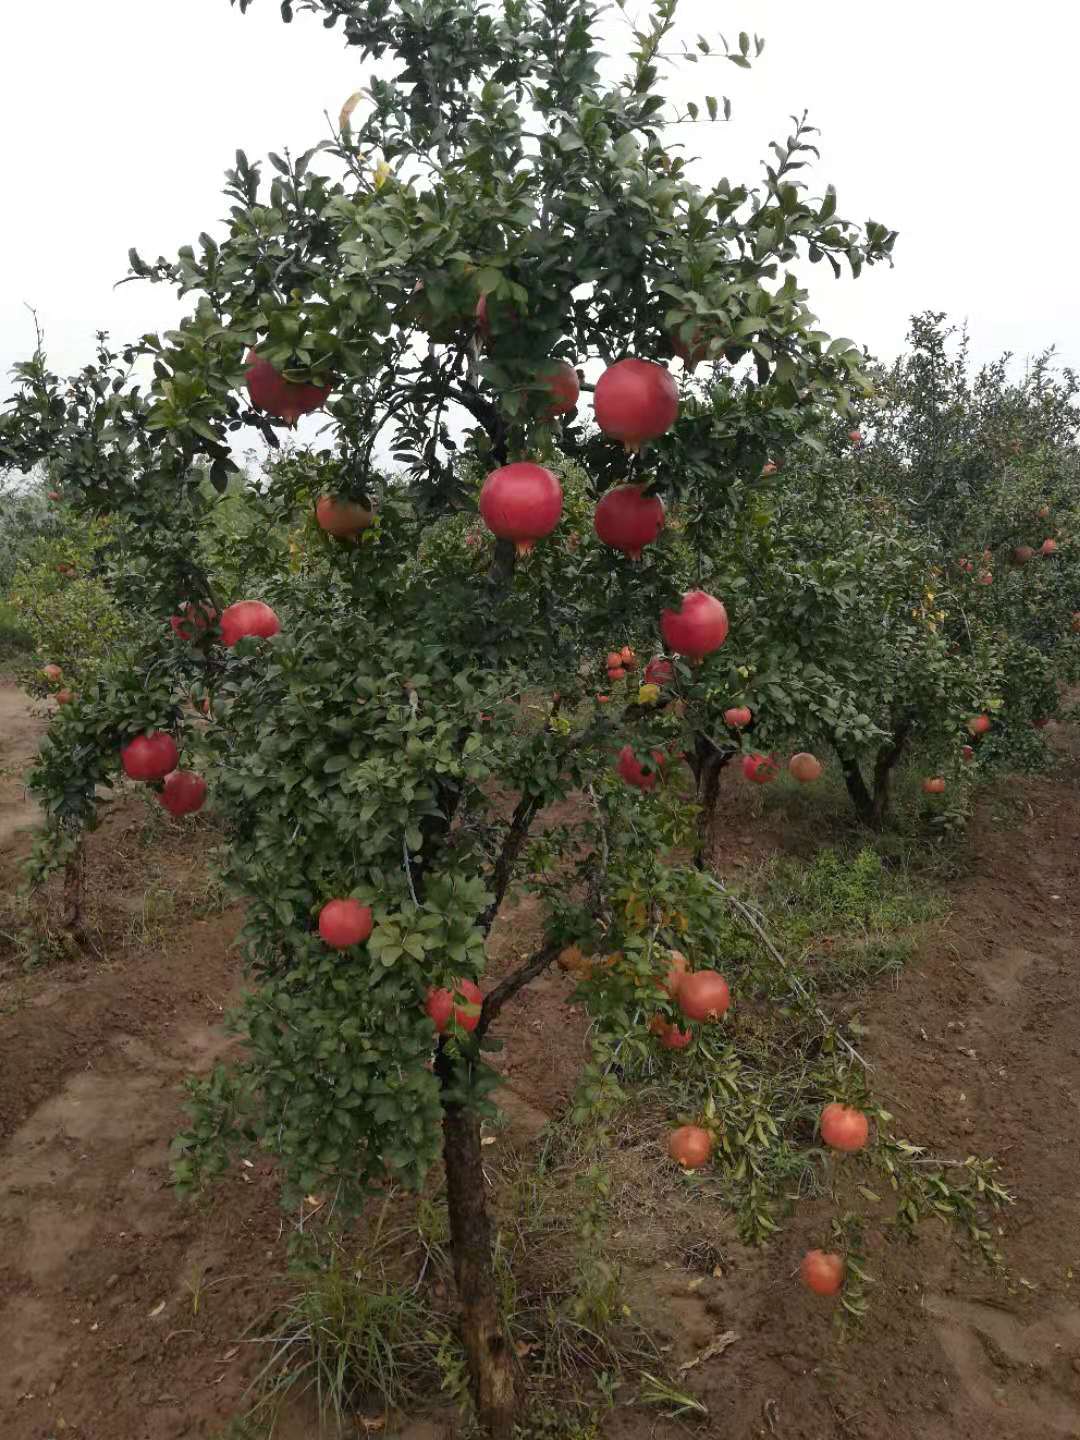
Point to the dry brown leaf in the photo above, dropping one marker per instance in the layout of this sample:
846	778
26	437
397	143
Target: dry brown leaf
157	1309
348	108
715	1347
371	1424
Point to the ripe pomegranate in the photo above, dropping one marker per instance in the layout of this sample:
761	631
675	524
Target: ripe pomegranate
628	658
561	388
343	518
1022	554
149	757
967	754
933	785
855	436
616	672
965	564
677	970
822	1272
463	1003
192	620
521	502
691	355
704	995
660	671
670	1036
986	578
738	717
627	520
843	1127
65	697
1043	512
54	496
690	1146
805	767
697	628
284	399
65	568
635	401
248	617
52	673
614	659
1074	624
979	724
762	769
1049	547
344	922
603	699
496	316
634	774
184	792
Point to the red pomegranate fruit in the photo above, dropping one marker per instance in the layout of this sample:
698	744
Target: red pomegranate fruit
561	389
284	399
184	792
822	1272
344	519
248	617
703	995
805	768
979	724
690	1146
1022	554
844	1128
934	785
697	628
761	769
967	754
628	520
522	503
659	671
738	717
634	774
192	621
1049	547
65	697
344	922
463	1003
149	757
52	673
635	401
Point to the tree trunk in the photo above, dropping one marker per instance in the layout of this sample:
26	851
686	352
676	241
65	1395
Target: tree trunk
707	764
491	1363
74	889
872	801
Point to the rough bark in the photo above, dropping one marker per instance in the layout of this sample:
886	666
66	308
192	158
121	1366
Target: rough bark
491	1361
707	764
872	801
74	890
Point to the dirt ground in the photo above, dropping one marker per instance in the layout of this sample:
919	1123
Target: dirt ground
124	1313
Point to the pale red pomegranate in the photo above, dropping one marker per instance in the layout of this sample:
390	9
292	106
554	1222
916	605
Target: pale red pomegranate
738	717
659	671
463	1002
761	769
822	1272
635	401
192	621
522	503
285	399
697	628
1022	554
855	436
1049	547
704	995
805	767
979	724
628	520
561	389
1043	512
1074	623
344	922
967	754
843	1127
634	774
933	785
52	673
183	793
149	757
690	1146
248	617
616	672
65	697
670	1036
343	518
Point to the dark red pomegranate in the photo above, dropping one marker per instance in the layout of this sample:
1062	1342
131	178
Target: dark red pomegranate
285	399
561	388
693	353
634	774
248	617
521	502
659	671
628	520
149	757
192	621
762	769
344	922
464	1003
697	628
635	401
184	792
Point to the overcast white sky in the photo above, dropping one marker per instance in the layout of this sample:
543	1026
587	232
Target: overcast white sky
951	121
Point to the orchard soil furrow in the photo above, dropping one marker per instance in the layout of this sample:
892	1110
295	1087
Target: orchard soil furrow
127	1315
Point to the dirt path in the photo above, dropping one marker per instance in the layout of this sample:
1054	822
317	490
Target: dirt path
19	732
123	1312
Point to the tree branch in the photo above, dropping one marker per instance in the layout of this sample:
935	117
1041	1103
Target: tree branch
509	987
516	835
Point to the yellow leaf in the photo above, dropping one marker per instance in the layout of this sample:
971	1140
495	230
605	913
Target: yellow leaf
348	108
382	174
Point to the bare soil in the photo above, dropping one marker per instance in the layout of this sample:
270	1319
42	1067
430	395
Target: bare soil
124	1312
